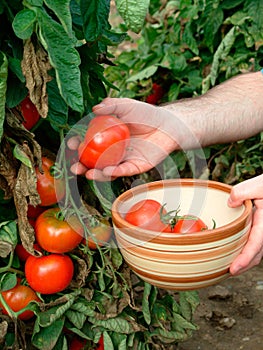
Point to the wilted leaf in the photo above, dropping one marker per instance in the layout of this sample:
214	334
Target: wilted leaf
37	77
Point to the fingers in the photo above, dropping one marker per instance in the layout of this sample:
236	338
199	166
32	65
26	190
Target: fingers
249	189
73	142
114	106
252	253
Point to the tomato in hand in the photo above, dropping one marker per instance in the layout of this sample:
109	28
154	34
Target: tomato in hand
50	189
49	274
17	298
30	113
100	234
187	224
147	214
105	142
57	234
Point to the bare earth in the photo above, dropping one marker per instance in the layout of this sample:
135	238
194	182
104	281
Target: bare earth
230	315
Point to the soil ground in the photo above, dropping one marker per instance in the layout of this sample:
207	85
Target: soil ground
230	315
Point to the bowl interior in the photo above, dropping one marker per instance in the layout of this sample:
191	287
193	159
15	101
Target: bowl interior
206	199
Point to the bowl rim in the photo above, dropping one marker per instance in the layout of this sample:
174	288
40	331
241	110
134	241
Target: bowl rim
209	235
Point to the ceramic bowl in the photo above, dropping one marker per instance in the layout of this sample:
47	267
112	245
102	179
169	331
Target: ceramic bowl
183	261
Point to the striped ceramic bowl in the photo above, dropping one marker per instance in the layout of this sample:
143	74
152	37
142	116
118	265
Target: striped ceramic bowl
183	261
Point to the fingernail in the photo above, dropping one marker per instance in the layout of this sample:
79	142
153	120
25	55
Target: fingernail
236	270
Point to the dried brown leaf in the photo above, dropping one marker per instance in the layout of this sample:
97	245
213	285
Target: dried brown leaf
35	66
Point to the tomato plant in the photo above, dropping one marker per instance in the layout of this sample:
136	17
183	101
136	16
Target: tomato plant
49	274
51	190
186	224
105	142
100	233
56	233
18	298
147	214
29	112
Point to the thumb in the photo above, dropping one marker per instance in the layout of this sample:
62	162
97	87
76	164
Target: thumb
249	189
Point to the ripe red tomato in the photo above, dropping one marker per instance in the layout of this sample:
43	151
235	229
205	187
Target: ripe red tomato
187	224
156	95
105	142
34	212
17	298
57	234
22	253
49	274
50	190
77	344
29	112
147	214
100	344
102	231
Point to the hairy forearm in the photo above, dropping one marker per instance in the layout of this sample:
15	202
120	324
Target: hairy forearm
228	112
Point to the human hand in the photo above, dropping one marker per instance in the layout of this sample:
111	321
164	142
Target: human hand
150	143
252	253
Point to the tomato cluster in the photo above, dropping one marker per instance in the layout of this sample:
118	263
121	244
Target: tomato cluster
151	215
105	142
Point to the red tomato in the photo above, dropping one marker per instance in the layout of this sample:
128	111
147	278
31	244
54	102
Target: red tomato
17	298
34	212
29	112
22	253
105	142
147	214
50	190
187	224
77	344
49	274
57	234
100	344
102	231
156	95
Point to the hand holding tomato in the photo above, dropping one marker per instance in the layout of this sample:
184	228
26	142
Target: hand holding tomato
152	138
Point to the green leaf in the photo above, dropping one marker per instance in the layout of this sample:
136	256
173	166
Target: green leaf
95	18
8	232
143	74
8	281
57	107
133	12
46	338
21	155
145	303
62	10
15	67
64	58
8	237
3	87
23	24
